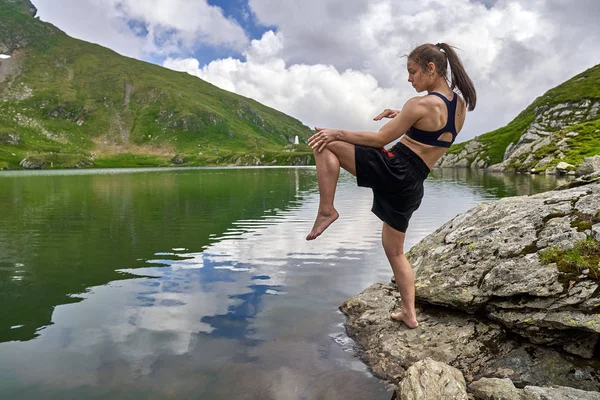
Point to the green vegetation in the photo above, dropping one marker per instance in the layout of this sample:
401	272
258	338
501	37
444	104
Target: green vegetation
585	144
585	255
585	85
79	102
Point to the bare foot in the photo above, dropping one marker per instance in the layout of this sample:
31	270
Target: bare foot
322	222
410	322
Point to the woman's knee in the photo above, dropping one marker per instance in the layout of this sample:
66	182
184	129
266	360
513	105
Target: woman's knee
393	249
392	241
331	146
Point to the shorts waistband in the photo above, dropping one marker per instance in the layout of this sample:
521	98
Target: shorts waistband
420	168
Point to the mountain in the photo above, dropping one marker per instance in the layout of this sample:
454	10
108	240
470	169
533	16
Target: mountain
69	103
562	126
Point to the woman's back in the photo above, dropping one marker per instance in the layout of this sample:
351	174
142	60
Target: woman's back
431	127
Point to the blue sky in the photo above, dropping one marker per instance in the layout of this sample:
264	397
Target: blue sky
240	11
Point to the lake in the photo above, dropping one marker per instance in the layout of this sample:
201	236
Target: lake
197	283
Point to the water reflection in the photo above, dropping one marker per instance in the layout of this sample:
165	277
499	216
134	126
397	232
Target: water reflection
500	185
194	283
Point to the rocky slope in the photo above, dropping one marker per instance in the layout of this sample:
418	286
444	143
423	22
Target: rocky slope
553	135
68	103
507	290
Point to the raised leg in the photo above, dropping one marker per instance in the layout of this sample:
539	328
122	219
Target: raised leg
328	162
393	244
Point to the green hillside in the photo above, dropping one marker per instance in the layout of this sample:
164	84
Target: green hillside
577	90
65	102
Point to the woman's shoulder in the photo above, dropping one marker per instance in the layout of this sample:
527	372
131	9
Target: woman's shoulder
424	102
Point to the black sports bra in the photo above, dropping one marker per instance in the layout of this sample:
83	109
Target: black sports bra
431	138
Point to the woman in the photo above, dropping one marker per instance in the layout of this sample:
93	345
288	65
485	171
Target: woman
428	126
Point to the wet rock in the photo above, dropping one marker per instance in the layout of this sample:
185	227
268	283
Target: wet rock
432	380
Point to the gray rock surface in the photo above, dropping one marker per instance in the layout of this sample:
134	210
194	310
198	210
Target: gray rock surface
32	163
589	166
432	380
474	345
495	389
558	393
10	138
504	389
488	260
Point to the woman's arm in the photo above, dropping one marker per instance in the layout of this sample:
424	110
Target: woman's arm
412	111
387	113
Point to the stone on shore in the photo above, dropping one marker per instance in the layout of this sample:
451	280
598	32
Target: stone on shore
432	380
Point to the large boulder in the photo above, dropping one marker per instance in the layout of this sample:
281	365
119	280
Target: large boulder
509	261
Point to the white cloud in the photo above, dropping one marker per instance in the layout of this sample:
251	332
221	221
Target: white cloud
316	94
159	27
189	22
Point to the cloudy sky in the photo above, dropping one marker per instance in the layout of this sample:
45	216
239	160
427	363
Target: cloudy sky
338	63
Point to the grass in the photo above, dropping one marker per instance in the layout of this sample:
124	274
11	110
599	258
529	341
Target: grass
585	255
586	144
84	94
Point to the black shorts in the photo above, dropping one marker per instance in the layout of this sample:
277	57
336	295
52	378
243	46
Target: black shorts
396	177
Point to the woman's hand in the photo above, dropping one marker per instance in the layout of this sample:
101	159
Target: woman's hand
323	137
387	113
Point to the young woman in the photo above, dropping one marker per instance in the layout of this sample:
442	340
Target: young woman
428	126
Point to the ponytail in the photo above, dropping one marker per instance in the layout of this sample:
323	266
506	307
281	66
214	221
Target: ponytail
441	55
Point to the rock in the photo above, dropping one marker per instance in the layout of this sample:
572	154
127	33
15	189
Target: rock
497	167
487	260
541	143
545	161
508	151
177	159
558	393
589	166
10	138
432	380
462	163
583	180
33	163
496	389
596	232
528	137
475	346
564	167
